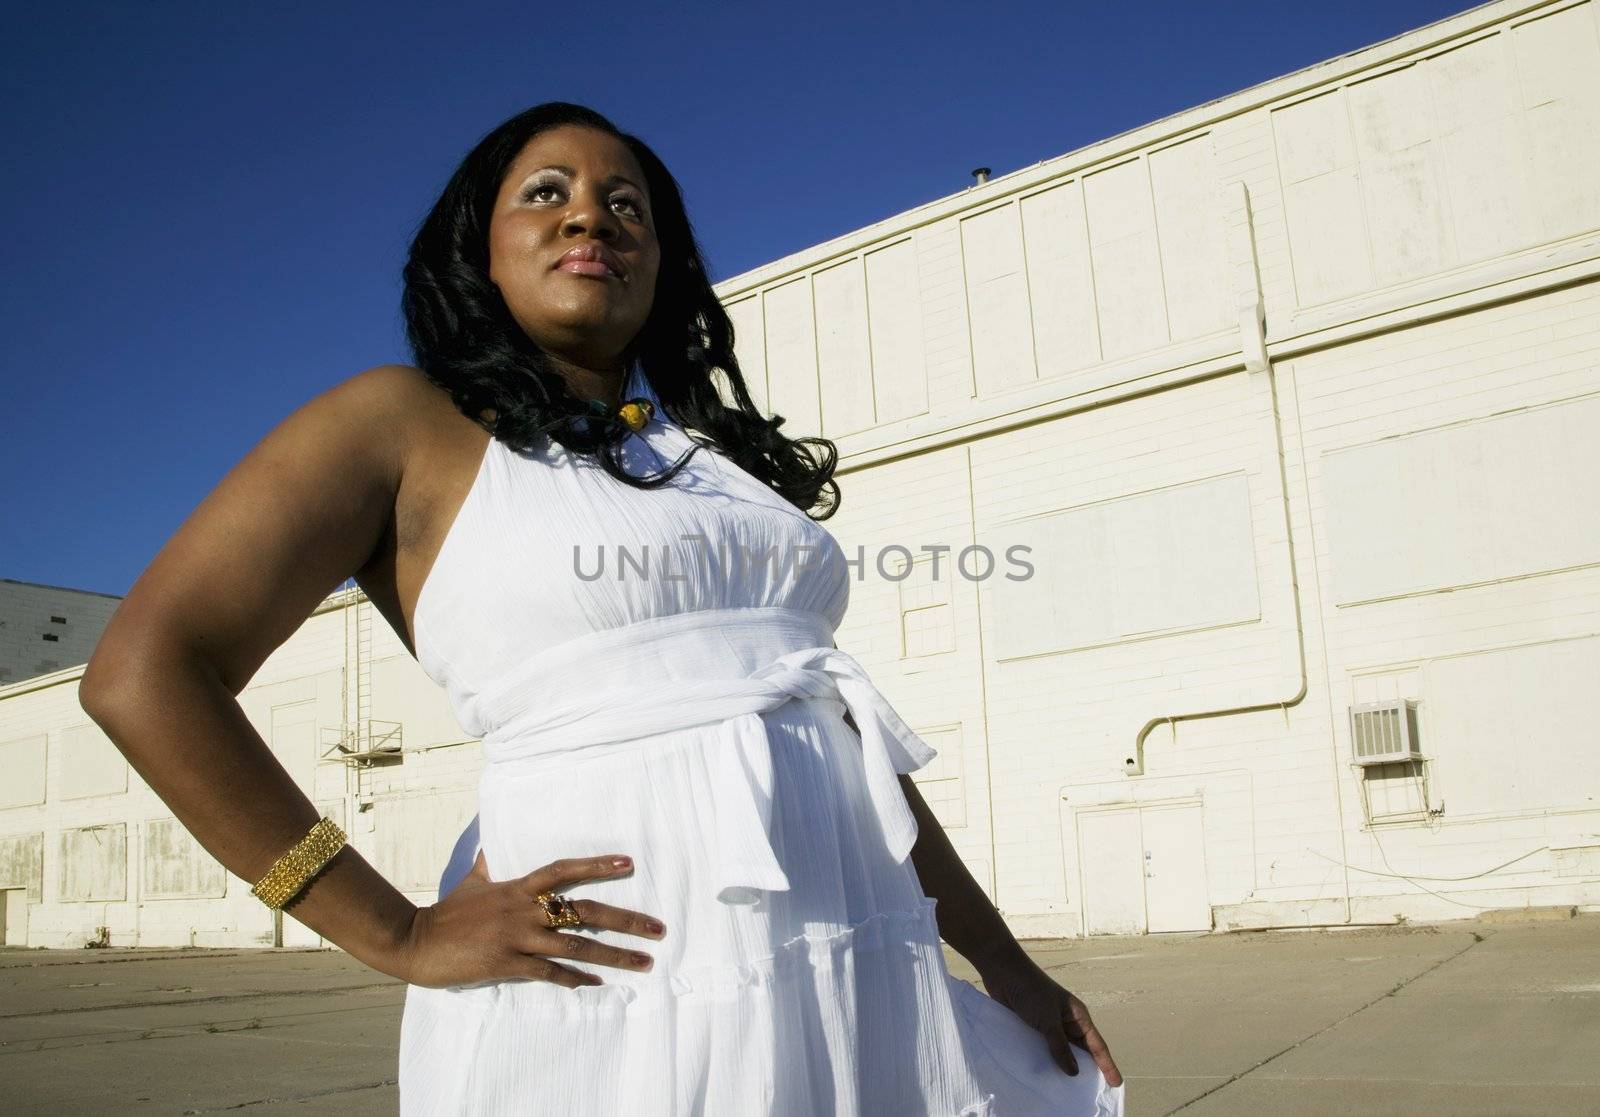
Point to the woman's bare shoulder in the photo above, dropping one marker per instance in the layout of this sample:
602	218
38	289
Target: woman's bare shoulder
397	392
416	416
311	504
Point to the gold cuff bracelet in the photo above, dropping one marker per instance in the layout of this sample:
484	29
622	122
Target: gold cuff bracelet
294	870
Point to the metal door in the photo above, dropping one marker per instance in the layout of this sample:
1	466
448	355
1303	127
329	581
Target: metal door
1112	858
1175	896
1143	869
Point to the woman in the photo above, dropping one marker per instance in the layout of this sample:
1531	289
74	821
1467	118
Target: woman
696	715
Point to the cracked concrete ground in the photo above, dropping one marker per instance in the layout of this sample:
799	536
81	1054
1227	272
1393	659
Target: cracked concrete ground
1454	1018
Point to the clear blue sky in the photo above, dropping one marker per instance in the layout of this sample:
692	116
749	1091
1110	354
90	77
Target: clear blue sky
206	206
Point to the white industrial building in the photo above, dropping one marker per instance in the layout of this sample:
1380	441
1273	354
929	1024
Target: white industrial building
1294	398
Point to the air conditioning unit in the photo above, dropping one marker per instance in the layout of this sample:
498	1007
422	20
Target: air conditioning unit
1384	732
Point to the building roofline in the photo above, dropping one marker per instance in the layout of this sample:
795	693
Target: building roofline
1113	147
66	589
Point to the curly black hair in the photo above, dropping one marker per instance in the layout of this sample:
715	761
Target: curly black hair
465	340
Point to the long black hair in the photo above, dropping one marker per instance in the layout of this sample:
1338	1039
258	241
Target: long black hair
465	340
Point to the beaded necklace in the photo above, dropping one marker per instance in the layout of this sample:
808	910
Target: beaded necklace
635	412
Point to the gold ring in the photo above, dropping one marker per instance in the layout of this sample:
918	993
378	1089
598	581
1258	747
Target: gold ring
559	911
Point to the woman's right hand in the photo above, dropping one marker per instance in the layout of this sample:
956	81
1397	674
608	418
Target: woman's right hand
487	930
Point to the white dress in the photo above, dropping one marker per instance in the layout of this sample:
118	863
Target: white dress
685	707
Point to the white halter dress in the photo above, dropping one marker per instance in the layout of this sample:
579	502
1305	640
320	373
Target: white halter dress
653	672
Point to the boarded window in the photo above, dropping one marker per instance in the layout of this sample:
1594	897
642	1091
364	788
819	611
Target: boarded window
176	866
94	863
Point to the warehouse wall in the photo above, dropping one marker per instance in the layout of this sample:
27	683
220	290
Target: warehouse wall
89	852
1293	402
1293	398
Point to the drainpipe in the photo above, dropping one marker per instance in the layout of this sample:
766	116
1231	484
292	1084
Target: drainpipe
1258	367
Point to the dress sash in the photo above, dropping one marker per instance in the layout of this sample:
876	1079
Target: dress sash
721	668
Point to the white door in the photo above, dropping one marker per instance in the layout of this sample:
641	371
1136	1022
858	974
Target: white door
1112	857
1175	896
1144	869
14	916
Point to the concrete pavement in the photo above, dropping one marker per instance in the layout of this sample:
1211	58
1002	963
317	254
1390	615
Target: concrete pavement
1470	1018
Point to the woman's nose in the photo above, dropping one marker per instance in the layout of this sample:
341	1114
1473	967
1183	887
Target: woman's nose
591	217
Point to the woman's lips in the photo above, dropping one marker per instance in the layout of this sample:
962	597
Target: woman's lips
595	268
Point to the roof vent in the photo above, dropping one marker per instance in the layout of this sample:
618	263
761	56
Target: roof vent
981	174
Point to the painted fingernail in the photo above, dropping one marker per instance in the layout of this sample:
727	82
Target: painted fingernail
642	960
653	927
622	862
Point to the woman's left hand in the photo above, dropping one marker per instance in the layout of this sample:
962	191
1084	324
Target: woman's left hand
1018	983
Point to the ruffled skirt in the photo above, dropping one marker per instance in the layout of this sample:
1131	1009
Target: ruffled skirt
829	998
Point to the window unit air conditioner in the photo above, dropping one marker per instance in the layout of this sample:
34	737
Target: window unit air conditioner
1384	732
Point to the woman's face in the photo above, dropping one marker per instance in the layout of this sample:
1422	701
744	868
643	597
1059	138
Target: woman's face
574	187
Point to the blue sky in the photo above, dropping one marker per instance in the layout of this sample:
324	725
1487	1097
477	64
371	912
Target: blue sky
206	206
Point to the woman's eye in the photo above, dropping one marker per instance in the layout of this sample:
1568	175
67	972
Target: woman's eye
537	193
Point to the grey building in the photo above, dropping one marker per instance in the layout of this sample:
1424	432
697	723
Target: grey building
45	628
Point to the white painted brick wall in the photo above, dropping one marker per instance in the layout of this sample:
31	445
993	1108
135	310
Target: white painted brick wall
1043	736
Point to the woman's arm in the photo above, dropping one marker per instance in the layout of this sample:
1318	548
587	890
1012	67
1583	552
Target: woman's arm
970	924
303	511
186	735
967	919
